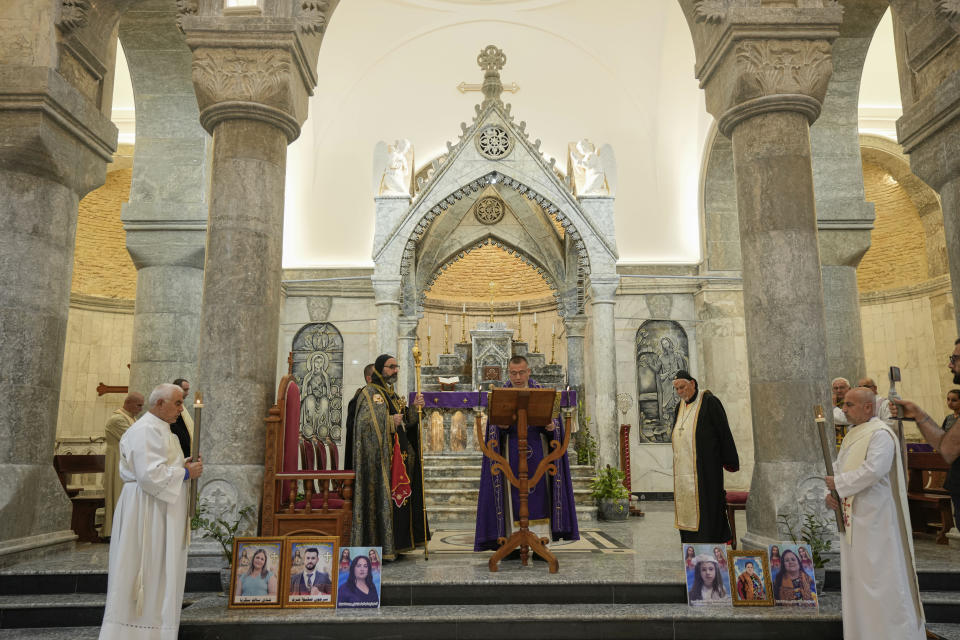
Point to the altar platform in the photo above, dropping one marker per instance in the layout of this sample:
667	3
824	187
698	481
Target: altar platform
623	580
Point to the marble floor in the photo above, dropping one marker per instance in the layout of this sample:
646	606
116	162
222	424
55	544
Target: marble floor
640	551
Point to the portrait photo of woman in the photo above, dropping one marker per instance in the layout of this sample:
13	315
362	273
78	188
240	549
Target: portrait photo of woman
794	585
360	589
258	582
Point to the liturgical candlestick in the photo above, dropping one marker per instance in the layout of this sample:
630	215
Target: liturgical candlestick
536	336
428	363
553	344
492	287
423	501
519	325
828	463
446	336
195	450
463	324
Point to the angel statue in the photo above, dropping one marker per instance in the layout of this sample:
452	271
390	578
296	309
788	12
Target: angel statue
587	163
397	170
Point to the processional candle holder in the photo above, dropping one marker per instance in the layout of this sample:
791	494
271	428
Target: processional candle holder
423	499
195	449
828	462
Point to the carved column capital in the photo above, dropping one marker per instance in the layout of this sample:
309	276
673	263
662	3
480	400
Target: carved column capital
386	289
603	289
575	326
755	59
255	67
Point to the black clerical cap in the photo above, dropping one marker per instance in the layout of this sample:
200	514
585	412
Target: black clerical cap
683	374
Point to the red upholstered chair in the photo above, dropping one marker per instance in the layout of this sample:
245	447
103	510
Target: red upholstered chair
736	501
326	507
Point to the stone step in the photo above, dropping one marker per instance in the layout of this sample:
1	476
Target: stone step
453	497
474	483
468	514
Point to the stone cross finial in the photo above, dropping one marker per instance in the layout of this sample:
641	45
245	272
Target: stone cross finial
491	60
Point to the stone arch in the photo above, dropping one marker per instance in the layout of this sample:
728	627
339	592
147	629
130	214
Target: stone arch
318	370
492	239
661	348
889	156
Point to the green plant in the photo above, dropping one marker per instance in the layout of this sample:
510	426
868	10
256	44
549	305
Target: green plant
585	444
216	527
814	531
608	485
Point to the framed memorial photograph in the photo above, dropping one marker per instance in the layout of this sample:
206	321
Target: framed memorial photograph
750	578
705	567
359	585
311	571
792	575
256	573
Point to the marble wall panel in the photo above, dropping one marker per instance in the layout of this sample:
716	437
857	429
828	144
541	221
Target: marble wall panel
97	350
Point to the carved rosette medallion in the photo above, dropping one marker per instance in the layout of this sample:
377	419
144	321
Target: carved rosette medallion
493	142
489	210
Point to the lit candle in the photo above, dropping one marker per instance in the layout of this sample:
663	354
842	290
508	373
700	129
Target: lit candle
534	317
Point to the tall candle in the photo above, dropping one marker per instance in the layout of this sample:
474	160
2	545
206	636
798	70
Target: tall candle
518	307
534	317
428	332
464	307
446	319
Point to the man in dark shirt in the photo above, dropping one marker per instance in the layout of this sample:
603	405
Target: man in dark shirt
183	427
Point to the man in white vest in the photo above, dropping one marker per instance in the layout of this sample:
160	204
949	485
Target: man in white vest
148	552
879	591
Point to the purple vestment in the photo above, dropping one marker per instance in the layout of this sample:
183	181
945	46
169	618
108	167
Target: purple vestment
552	497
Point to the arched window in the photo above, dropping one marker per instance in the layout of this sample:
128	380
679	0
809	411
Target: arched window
318	369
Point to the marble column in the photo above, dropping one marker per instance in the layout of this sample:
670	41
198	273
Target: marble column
57	140
603	388
576	329
407	336
166	216
386	293
252	77
765	92
926	33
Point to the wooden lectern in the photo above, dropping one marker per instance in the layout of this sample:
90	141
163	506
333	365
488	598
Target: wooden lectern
525	408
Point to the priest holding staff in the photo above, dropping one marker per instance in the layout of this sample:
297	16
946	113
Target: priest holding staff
879	590
702	448
148	552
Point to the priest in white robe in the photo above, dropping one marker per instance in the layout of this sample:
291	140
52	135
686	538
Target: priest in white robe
879	591
148	551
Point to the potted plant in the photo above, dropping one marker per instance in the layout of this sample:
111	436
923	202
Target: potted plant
585	445
814	531
223	531
612	497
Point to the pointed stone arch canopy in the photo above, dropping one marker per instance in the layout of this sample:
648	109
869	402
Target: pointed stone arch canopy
549	278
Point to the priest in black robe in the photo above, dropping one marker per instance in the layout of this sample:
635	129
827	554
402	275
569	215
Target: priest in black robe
387	512
702	448
351	417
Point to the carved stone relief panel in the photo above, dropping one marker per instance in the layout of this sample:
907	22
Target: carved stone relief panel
662	349
318	370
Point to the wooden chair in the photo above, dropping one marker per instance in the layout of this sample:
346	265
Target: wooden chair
929	503
83	518
736	501
325	507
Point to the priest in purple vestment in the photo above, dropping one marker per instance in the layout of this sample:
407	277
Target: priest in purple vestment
551	502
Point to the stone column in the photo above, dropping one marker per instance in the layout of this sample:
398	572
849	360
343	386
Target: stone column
576	328
166	217
386	293
844	219
407	380
252	76
765	92
929	129
55	92
603	387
